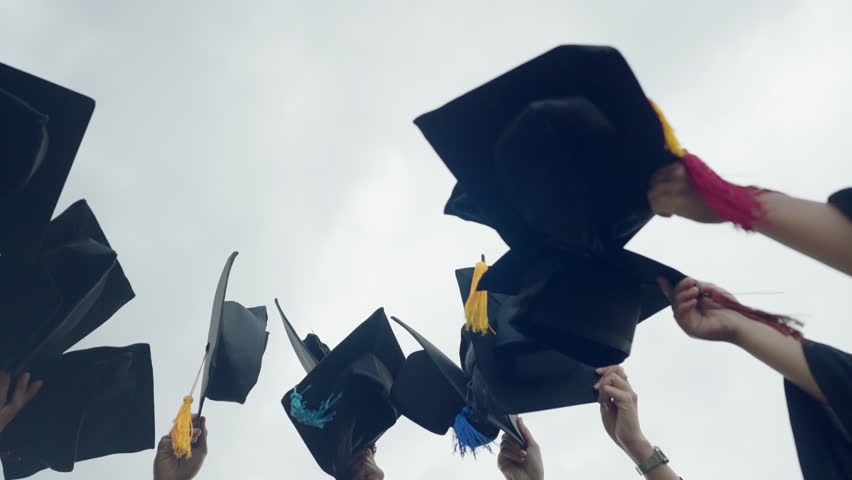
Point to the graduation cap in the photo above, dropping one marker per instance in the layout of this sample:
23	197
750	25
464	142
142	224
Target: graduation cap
513	373
343	405
843	201
41	128
236	342
50	302
584	306
436	394
559	152
94	402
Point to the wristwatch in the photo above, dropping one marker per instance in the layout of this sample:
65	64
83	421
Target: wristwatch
655	460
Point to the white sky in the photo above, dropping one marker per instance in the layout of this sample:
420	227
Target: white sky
284	131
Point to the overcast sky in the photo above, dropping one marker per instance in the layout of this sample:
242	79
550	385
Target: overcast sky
284	131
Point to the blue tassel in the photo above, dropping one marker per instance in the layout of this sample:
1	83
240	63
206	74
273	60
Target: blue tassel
466	437
312	418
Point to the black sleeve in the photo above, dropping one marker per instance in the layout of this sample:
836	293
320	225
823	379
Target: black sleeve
822	431
843	201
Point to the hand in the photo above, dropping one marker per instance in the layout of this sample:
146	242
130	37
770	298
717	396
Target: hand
169	467
516	463
364	467
24	392
672	193
698	315
619	409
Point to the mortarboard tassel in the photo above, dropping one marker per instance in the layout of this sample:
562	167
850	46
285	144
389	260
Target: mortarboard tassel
734	203
312	418
181	433
182	430
476	306
783	323
466	437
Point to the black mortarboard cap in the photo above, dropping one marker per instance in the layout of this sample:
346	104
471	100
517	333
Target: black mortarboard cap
52	301
236	343
431	390
585	306
343	405
513	373
35	114
94	403
568	130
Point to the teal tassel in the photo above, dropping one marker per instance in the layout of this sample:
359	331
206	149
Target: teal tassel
312	418
466	437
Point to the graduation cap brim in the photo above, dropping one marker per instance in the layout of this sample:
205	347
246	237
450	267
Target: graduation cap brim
308	360
586	306
465	131
843	201
456	377
25	214
94	402
71	290
515	374
360	370
215	326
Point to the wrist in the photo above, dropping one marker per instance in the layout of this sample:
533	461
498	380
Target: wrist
638	449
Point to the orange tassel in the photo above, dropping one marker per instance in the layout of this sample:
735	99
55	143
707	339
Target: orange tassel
182	430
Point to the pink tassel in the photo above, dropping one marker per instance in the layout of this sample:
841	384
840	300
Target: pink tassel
734	203
783	323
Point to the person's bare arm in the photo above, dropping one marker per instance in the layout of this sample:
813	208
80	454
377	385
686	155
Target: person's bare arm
816	229
701	317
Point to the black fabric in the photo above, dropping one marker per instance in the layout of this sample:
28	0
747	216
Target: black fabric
23	141
236	342
26	213
236	364
843	201
585	306
488	135
361	370
822	432
442	398
50	303
512	373
94	403
424	395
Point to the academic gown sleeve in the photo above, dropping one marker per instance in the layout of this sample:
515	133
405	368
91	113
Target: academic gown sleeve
843	201
821	432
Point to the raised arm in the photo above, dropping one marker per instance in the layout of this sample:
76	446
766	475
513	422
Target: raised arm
817	229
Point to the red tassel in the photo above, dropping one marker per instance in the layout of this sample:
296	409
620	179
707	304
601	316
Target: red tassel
734	203
783	323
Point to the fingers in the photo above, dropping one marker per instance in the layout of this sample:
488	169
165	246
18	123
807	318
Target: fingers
526	433
24	391
5	379
668	173
201	440
666	287
512	451
612	378
621	398
616	369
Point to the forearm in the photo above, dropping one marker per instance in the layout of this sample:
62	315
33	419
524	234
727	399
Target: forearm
640	451
784	354
818	230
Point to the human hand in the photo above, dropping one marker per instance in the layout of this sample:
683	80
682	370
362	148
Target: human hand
169	467
24	392
672	193
698	314
516	463
364	467
619	407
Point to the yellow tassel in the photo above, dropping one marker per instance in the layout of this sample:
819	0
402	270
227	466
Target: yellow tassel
182	431
672	143
476	306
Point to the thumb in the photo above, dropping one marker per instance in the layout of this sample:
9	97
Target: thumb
526	432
